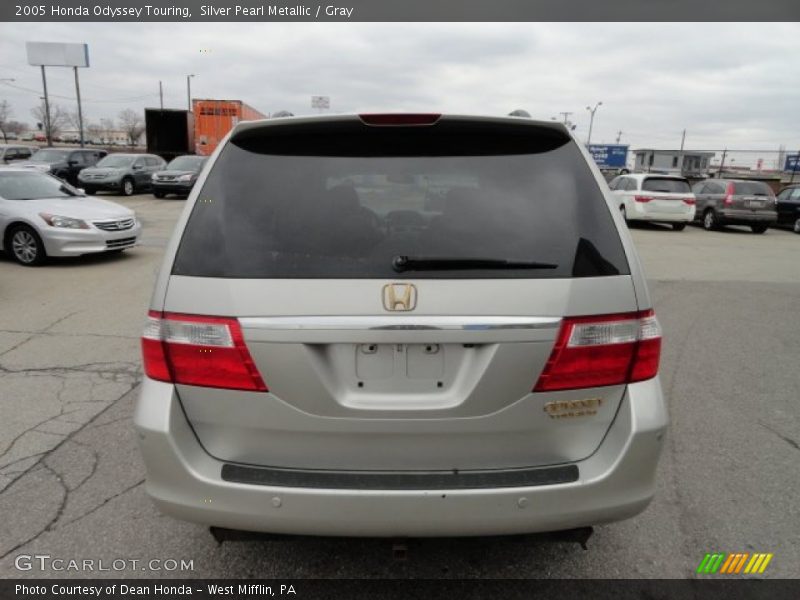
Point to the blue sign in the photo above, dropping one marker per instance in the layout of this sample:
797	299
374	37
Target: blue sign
609	156
792	162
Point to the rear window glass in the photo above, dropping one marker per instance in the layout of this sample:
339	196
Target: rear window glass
666	184
751	188
342	200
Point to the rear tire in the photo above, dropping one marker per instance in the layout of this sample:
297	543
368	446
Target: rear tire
90	191
797	226
710	220
623	212
158	194
128	188
758	228
25	246
679	226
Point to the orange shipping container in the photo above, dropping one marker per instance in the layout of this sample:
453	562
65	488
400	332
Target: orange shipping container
213	119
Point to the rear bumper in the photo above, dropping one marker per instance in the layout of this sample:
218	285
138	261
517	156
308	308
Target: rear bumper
642	211
615	483
746	217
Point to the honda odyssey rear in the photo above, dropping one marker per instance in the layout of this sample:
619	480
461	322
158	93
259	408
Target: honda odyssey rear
401	325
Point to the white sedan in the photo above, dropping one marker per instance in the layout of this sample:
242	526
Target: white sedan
42	216
654	197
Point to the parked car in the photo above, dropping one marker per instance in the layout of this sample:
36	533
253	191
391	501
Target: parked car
39	137
11	136
43	216
28	136
123	173
652	197
326	355
64	163
723	202
789	207
12	154
178	177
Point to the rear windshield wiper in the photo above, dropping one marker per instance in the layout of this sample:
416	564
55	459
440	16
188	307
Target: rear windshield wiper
436	263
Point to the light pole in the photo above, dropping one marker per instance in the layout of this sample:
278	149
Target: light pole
591	120
189	90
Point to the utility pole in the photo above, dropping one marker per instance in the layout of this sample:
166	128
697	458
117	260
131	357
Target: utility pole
680	154
46	110
591	121
619	136
189	90
80	110
566	116
161	95
722	163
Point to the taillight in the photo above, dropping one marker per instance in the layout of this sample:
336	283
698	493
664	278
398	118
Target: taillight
642	198
689	201
198	350
728	200
603	350
400	119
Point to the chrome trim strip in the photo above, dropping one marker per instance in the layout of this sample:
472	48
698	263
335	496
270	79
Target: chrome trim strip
398	323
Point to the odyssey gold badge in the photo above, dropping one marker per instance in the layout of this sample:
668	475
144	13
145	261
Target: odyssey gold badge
400	297
567	409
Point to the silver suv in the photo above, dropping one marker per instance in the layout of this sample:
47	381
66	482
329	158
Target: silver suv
401	325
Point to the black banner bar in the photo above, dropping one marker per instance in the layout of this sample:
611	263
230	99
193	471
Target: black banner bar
398	10
353	589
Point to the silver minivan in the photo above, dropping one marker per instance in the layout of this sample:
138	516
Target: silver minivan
401	325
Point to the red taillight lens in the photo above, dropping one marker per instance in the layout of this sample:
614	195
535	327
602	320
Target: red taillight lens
603	350
689	201
399	119
198	350
728	195
642	198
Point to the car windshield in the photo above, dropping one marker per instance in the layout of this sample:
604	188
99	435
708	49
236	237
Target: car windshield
49	155
474	200
116	161
186	163
32	185
666	184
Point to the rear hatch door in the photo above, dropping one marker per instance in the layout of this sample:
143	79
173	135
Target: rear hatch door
297	233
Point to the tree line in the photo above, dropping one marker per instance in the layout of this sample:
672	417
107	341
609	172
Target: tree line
128	121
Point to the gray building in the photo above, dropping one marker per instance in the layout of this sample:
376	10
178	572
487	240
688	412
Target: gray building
675	162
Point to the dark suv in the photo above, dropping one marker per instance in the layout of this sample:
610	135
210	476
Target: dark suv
65	163
789	207
12	154
723	202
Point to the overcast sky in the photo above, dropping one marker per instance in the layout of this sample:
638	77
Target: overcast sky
728	85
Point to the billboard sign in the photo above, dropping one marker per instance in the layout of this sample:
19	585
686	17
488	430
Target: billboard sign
46	54
609	156
792	162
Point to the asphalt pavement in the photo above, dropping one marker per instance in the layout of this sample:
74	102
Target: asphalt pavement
71	480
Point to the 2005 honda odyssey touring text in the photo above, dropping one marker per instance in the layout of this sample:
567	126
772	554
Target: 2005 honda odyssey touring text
401	325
